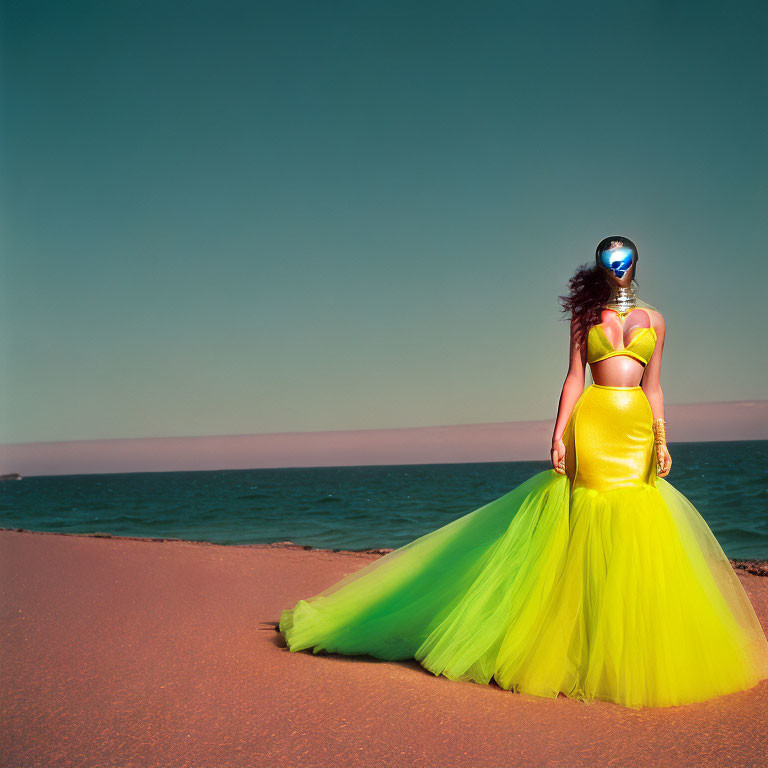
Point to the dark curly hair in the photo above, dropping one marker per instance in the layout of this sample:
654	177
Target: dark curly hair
588	293
589	290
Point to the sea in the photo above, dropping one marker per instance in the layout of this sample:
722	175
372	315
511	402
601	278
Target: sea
359	507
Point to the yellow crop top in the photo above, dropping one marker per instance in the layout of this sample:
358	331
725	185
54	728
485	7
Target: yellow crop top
641	345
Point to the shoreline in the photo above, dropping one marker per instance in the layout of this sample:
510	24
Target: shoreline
136	651
755	566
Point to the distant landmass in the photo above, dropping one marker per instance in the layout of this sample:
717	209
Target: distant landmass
497	441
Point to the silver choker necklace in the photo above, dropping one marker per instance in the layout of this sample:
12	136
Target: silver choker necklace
622	300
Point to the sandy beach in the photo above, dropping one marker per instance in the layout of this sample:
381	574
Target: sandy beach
139	652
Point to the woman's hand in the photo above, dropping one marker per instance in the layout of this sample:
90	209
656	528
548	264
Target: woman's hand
558	456
663	460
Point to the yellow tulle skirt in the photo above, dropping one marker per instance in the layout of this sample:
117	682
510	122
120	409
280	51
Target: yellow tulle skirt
603	583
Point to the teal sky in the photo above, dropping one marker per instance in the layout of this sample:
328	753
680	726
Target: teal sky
228	218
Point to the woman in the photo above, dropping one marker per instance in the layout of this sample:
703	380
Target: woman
595	578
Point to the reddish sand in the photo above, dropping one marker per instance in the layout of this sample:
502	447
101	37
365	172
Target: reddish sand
136	653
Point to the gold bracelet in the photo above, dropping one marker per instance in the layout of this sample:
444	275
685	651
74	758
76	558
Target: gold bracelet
659	432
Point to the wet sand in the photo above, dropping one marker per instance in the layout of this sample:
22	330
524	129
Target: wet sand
128	652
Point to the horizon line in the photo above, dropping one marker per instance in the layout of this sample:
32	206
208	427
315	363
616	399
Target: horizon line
453	425
388	446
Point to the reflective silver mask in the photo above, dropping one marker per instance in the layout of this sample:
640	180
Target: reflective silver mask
618	259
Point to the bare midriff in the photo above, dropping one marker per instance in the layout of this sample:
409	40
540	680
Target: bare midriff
617	371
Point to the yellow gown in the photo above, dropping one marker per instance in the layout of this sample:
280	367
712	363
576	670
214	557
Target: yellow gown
603	583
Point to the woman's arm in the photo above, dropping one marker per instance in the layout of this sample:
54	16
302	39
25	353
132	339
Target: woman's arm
651	385
572	389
